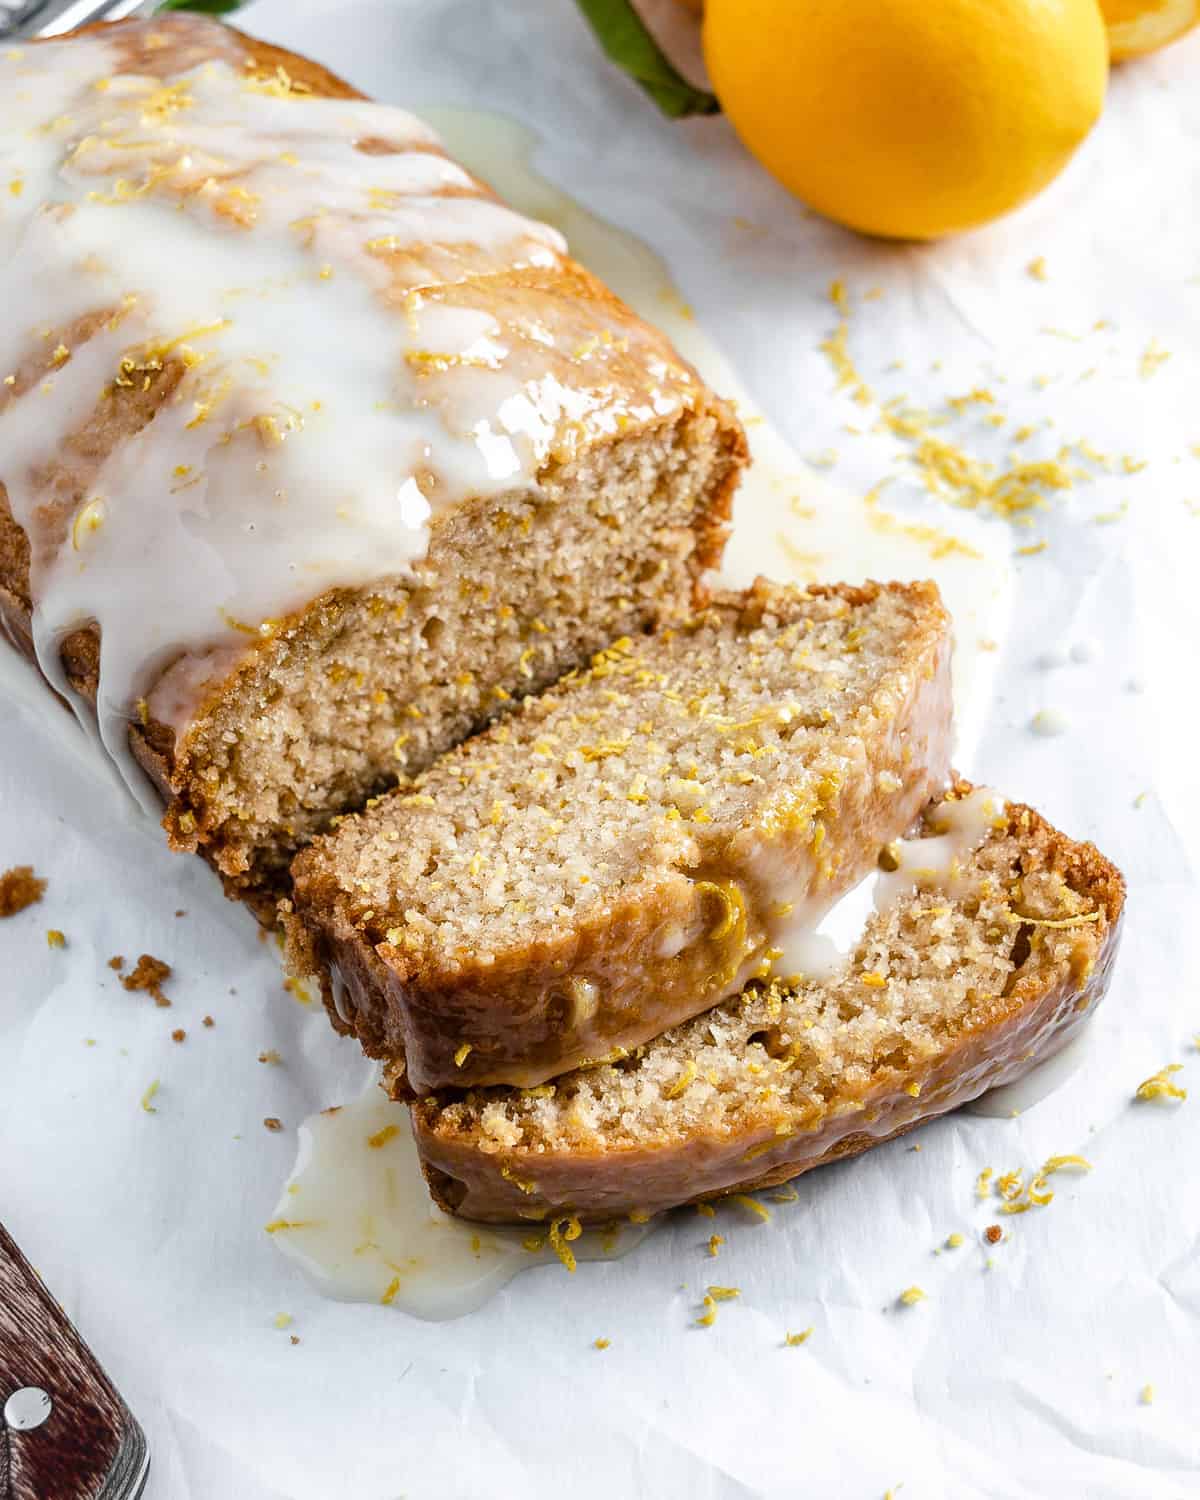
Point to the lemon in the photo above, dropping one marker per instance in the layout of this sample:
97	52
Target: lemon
1137	26
909	118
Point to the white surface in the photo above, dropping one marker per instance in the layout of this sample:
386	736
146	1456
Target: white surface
1019	1381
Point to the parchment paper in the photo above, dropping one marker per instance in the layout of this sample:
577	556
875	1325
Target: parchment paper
1020	1376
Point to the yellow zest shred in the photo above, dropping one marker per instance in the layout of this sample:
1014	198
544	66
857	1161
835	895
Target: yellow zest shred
953	1241
794	1340
382	1137
601	1343
148	1096
389	1295
752	1204
715	1241
911	1295
724	1293
684	1081
562	1231
1159	1085
462	1054
709	1316
55	939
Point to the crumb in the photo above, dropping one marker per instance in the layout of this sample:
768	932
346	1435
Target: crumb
269	1057
55	939
794	1340
911	1295
283	1320
954	1241
209	1022
272	1123
148	974
993	1234
715	1242
19	888
1037	268
181	913
292	1339
601	1343
179	1035
117	962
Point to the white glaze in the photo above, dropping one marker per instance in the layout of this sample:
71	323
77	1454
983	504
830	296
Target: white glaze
237	227
1039	1083
935	862
1049	723
359	1221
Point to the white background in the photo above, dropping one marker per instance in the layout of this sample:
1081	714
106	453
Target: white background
1019	1380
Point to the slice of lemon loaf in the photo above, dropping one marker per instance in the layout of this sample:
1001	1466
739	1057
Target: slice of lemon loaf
634	844
314	456
994	942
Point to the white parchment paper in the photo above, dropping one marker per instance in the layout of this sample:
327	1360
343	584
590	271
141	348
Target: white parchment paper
1022	1374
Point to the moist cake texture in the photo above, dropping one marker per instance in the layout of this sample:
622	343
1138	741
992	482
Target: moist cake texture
634	844
984	968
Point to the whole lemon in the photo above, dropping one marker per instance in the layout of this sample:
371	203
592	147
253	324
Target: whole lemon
909	118
1137	26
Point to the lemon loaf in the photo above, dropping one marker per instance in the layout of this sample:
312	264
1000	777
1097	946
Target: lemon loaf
314	456
636	842
994	941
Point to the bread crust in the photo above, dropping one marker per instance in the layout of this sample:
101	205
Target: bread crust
188	820
1042	1013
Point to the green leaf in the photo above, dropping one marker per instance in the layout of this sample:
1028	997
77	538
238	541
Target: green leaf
212	7
627	41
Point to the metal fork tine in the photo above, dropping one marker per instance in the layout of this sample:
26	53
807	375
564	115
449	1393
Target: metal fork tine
53	17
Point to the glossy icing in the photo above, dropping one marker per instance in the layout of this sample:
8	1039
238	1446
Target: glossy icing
308	300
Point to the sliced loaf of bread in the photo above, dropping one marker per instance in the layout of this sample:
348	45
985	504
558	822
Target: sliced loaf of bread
634	844
994	943
314	457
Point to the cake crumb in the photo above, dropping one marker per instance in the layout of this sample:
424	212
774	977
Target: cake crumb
272	1123
19	888
601	1343
993	1234
117	962
794	1340
148	974
293	1339
209	1022
179	1035
270	1056
55	938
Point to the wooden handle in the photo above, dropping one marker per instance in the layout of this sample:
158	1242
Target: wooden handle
65	1434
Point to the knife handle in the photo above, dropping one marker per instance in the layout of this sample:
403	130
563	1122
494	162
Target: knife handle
65	1433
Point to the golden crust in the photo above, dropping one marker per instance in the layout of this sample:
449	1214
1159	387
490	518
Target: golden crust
1042	1008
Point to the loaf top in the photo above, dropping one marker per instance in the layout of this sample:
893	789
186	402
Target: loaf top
259	334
